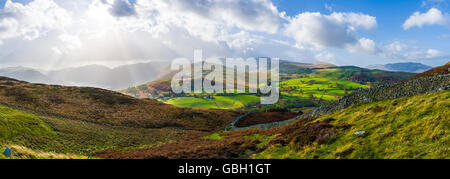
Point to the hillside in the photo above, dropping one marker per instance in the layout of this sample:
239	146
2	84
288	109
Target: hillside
302	86
402	128
106	107
409	127
49	121
92	75
384	91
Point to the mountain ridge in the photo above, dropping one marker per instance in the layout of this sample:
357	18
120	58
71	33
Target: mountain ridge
411	67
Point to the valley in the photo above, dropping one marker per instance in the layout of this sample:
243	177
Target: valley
331	121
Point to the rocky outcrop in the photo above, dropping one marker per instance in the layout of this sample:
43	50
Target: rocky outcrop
364	96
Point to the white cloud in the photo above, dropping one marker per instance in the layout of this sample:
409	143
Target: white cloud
337	30
400	51
432	17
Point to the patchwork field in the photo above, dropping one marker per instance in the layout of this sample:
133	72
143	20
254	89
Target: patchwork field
215	102
29	134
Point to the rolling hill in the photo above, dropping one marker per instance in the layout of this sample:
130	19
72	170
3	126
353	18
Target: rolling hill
403	128
36	136
302	85
45	121
27	74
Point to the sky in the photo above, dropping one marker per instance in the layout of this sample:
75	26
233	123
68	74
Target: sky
50	34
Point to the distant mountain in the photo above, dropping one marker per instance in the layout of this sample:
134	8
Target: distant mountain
25	74
402	67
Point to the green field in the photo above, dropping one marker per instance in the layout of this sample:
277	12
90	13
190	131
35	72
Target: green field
305	90
410	127
219	102
301	85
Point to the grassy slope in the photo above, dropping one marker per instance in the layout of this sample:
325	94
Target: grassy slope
220	102
360	74
53	120
322	84
33	136
20	152
325	88
16	125
325	83
412	127
106	107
